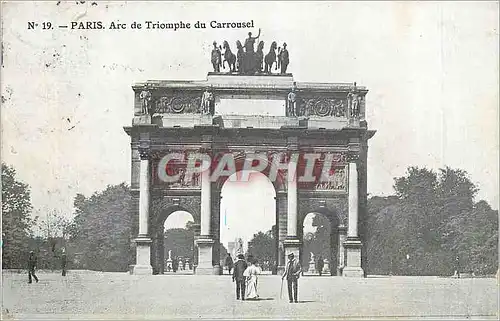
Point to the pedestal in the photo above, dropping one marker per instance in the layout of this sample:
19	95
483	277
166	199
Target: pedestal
353	267
143	257
205	266
326	267
312	267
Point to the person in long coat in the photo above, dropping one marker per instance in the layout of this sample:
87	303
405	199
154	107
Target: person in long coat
239	268
31	267
292	274
229	263
251	274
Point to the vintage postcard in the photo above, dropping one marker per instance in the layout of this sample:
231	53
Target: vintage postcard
249	160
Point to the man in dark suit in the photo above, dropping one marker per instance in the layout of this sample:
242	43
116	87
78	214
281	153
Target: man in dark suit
239	267
292	274
31	267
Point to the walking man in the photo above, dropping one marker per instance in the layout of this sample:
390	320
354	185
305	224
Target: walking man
239	267
31	267
229	263
292	274
64	261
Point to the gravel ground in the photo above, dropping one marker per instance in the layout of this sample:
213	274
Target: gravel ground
94	295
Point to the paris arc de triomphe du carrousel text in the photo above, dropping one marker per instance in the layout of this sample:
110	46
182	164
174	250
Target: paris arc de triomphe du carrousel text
311	143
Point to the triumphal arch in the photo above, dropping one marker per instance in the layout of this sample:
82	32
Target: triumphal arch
267	122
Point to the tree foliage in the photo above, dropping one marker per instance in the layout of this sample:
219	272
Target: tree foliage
432	220
319	242
102	231
16	219
262	246
180	241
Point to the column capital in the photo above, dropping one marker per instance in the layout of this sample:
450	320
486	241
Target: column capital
144	152
144	148
352	157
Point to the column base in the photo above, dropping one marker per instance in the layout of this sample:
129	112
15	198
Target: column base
353	267
143	256
292	245
142	270
204	266
353	272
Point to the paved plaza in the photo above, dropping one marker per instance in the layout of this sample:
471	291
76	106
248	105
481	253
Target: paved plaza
94	295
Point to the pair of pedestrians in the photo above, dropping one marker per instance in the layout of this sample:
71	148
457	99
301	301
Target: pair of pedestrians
246	278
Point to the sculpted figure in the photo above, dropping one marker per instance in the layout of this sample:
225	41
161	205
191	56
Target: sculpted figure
354	101
239	56
292	102
145	97
339	181
259	57
278	59
216	58
249	42
285	59
229	57
270	58
207	101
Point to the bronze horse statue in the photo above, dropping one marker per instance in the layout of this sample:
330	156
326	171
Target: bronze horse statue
229	57
259	57
239	56
270	58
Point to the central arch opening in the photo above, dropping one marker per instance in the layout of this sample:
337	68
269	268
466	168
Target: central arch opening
178	243
248	220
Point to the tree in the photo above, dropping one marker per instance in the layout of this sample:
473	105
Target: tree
263	246
319	242
102	229
16	219
180	241
432	219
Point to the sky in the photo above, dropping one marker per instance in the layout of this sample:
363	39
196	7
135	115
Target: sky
431	69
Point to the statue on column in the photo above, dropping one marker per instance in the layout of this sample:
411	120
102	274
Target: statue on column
284	59
216	57
353	101
145	97
207	103
291	102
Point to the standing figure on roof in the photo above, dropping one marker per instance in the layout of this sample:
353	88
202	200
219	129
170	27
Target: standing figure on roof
249	42
284	59
216	58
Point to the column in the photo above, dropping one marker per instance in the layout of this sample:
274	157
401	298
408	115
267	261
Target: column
292	243
205	241
292	201
352	231
353	244
205	203
143	241
341	253
281	220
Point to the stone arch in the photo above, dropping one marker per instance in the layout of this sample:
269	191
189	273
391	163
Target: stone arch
161	210
334	217
271	212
